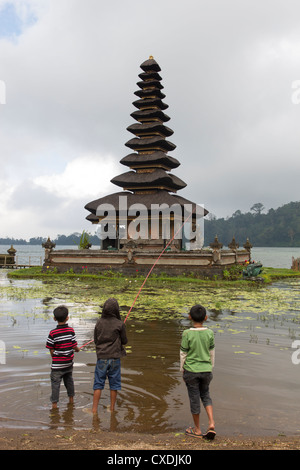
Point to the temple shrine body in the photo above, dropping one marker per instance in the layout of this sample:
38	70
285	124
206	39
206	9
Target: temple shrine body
148	219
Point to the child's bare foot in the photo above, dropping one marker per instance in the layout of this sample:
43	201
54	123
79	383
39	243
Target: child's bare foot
194	432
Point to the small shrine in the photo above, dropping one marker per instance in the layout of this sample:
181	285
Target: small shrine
8	260
148	218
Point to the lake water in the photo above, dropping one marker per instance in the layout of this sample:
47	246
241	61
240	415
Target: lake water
256	382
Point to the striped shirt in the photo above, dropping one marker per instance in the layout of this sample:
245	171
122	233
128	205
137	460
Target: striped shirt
61	341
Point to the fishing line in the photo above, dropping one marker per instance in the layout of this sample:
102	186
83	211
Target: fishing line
150	271
155	265
86	343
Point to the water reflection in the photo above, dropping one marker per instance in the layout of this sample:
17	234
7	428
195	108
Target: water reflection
63	418
151	373
149	376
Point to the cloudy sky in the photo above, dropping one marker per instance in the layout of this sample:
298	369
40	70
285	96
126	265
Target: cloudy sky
68	72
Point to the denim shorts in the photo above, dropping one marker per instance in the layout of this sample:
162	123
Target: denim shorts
110	368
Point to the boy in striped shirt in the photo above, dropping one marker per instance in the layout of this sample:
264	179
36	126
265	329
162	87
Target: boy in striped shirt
61	343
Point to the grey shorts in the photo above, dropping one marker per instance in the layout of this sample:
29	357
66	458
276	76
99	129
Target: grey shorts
198	389
57	376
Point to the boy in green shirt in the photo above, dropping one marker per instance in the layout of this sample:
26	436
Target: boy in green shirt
196	361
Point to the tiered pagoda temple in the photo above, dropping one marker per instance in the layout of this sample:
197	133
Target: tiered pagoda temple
149	181
149	184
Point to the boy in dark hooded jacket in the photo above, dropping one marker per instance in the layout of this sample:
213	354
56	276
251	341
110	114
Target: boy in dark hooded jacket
109	337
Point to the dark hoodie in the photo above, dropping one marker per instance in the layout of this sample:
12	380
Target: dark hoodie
110	332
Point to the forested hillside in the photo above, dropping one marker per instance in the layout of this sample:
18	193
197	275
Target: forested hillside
277	227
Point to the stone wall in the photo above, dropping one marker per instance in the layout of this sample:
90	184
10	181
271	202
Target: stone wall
206	263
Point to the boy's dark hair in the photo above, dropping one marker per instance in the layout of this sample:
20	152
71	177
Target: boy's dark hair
198	313
60	313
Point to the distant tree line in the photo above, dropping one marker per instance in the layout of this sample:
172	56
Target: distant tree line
73	239
278	227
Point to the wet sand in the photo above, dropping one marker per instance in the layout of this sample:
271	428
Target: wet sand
136	443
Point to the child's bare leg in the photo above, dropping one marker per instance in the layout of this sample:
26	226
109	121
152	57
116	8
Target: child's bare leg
96	398
211	422
113	398
196	419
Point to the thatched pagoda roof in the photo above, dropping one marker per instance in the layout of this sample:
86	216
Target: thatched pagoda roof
147	143
150	84
150	103
150	92
155	159
158	197
150	65
147	115
156	179
150	129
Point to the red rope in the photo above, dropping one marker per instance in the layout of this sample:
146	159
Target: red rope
86	343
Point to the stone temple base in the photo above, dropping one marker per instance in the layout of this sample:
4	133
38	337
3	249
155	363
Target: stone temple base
203	263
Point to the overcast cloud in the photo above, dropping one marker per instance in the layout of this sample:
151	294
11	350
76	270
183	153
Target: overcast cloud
70	69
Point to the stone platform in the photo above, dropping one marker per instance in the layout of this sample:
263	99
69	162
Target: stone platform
206	262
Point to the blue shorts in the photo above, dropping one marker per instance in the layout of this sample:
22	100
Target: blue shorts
110	368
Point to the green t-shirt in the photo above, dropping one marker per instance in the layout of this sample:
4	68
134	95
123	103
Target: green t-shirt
196	344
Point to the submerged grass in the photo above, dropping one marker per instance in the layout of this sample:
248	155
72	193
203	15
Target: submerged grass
162	296
36	272
273	274
267	276
254	312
